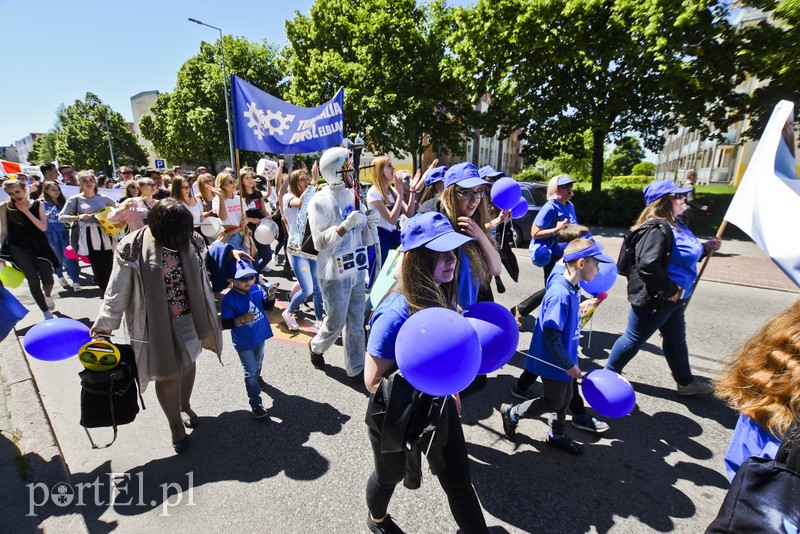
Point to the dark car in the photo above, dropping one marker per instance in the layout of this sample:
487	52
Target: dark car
536	195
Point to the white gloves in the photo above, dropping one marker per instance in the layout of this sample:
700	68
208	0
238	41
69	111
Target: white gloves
356	219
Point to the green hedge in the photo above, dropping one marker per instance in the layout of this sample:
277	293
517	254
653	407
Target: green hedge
632	180
619	206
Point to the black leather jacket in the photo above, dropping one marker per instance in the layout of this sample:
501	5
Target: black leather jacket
648	280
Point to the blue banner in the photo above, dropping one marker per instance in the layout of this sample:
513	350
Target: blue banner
263	123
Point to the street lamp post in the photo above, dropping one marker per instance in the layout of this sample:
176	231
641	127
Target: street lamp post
110	147
225	86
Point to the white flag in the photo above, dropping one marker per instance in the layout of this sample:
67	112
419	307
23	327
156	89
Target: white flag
766	205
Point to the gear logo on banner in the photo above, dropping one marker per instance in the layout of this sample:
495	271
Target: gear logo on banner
263	122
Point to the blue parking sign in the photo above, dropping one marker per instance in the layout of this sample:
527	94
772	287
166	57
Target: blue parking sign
161	164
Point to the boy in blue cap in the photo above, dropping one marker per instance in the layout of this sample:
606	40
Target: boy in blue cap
554	347
243	312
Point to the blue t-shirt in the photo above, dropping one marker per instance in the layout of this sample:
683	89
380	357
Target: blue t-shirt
749	439
686	252
234	304
560	309
552	212
53	225
468	286
386	322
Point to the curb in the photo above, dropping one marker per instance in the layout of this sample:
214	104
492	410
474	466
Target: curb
37	446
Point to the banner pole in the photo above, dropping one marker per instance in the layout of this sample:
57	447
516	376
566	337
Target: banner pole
721	230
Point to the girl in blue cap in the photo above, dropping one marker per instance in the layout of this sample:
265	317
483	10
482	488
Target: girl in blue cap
428	280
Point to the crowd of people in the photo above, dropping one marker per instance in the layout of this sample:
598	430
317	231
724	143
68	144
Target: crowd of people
179	258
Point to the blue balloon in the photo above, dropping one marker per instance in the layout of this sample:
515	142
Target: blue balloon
520	210
56	339
604	280
438	351
609	393
498	334
506	193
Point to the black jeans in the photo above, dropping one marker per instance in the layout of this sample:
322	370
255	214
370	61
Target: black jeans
576	405
557	395
38	272
102	261
531	303
455	478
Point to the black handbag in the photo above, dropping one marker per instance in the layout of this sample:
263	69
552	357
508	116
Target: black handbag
764	496
110	398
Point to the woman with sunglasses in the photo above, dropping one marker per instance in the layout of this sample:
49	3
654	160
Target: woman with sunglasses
182	191
91	239
58	235
464	202
134	210
554	215
23	223
660	283
428	279
386	197
131	189
228	207
255	209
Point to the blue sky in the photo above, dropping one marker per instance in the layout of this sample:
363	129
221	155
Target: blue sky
61	50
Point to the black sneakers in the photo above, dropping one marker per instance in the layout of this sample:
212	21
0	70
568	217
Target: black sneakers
387	526
259	412
317	360
509	426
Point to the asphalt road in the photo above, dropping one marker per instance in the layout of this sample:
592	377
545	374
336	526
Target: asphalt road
658	470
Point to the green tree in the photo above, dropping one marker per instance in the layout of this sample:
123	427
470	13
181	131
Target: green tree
392	59
626	153
769	52
557	67
645	168
189	124
82	140
44	149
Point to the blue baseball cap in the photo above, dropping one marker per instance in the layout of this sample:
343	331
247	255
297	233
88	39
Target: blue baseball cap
595	250
431	230
488	171
565	180
465	175
659	188
241	268
436	175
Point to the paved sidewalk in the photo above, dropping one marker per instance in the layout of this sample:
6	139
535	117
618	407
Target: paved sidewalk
27	430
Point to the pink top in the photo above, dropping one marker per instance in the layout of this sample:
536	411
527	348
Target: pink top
135	214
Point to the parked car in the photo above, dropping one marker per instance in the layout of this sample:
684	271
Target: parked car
536	195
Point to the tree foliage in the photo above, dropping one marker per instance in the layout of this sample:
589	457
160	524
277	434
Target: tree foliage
626	153
81	139
44	149
392	59
644	168
557	67
769	52
189	124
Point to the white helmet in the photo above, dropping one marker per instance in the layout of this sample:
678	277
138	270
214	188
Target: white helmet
332	164
267	168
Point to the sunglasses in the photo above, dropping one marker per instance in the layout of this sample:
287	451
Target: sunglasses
229	182
472	195
148	184
127	172
568	186
679	196
246	278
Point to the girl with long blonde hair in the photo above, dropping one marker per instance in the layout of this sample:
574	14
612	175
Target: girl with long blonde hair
386	197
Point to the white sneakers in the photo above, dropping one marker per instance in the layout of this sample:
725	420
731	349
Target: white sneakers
76	287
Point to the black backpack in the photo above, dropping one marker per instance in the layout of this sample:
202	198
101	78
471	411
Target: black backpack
627	253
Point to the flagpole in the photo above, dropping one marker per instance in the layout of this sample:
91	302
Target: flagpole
705	261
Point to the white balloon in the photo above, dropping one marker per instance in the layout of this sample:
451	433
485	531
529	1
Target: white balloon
266	232
210	226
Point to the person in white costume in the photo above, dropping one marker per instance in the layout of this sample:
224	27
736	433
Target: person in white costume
338	228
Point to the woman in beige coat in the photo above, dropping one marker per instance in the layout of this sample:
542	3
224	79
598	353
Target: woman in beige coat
160	285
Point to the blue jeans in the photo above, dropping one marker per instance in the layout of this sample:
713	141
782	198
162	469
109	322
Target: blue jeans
264	255
252	360
59	240
670	321
237	241
306	272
